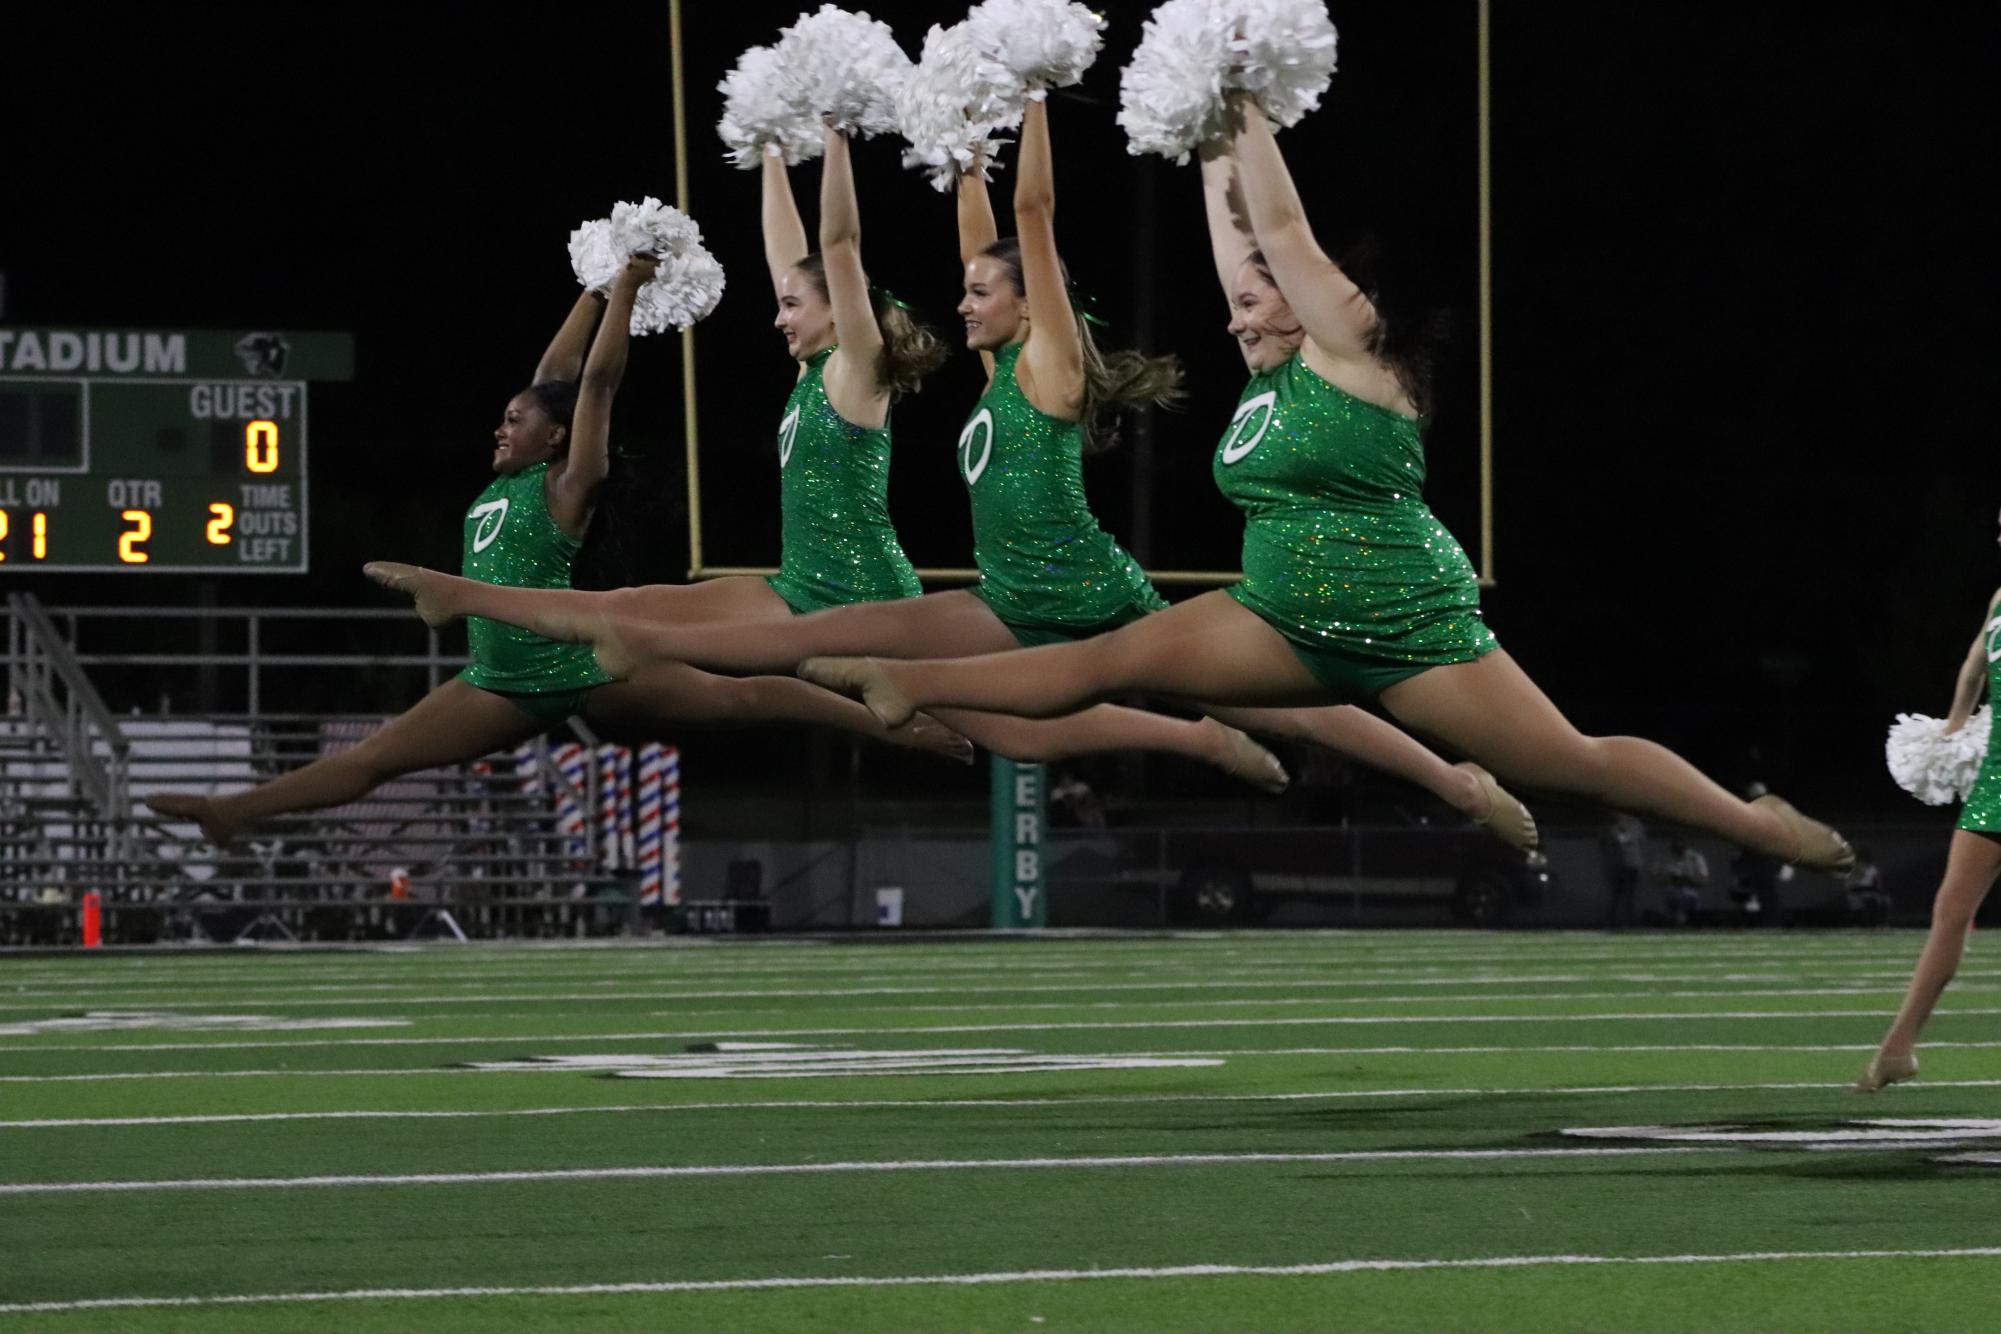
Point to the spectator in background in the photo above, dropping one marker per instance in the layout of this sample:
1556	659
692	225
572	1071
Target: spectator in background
1074	797
1867	904
1624	844
1687	874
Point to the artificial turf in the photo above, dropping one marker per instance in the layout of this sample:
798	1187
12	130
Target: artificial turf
1243	1101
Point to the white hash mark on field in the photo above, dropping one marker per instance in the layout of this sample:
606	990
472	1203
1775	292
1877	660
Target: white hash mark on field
1327	1269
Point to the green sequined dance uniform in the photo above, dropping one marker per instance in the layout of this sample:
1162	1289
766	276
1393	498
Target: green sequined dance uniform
1341	554
1982	812
1046	568
838	543
512	539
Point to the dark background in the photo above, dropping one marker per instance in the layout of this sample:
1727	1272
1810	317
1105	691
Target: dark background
1742	303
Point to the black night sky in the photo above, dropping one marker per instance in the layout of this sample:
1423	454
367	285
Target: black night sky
1743	295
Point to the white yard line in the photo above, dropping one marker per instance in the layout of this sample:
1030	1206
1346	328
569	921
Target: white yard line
594	997
921	1104
1174	1160
1728	985
1327	1269
1243	1053
702	1034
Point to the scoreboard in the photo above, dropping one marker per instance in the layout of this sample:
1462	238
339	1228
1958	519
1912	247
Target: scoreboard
173	451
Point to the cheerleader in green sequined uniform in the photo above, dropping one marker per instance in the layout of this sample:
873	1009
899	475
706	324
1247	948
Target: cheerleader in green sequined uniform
525	529
1972	861
1351	591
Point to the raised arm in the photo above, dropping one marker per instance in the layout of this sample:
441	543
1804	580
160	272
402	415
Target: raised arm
976	212
564	359
572	488
784	231
1335	313
1230	235
852	384
1972	674
1054	355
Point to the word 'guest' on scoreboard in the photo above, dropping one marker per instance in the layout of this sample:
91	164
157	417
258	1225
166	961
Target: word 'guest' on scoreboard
178	450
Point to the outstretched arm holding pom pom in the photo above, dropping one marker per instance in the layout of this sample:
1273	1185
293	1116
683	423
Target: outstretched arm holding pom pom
573	485
564	359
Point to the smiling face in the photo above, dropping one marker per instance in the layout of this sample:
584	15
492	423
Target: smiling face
805	316
994	309
526	436
1264	326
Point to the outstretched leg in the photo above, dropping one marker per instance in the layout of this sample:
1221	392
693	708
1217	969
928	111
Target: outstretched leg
1211	648
626	626
673	694
1492	711
1970	867
1361	735
454	723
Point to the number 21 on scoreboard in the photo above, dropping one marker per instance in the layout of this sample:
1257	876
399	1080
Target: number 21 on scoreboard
38	535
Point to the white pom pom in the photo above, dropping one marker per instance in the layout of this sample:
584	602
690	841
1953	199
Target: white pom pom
1935	768
847	66
1171	94
765	107
1285	56
688	282
1044	43
953	103
1193	51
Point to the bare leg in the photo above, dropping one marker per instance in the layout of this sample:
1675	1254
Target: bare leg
674	694
454	723
1212	648
1970	867
1361	735
442	598
1493	712
626	635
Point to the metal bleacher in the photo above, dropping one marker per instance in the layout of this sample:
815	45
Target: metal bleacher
473	849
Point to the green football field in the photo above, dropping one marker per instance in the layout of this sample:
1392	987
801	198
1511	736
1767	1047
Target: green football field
1236	1132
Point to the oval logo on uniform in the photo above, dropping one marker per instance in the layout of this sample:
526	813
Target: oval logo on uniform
1242	438
788	431
490	515
982	425
1994	640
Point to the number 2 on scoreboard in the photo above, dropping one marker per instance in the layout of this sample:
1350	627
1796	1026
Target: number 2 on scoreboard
218	527
129	540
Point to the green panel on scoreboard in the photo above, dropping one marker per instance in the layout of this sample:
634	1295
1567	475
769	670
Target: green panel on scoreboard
158	450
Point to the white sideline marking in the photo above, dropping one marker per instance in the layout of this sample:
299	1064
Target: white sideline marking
1329	1268
874	1104
699	1034
819	1169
